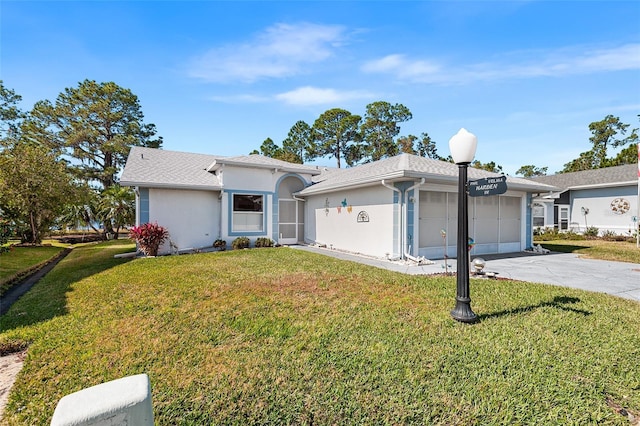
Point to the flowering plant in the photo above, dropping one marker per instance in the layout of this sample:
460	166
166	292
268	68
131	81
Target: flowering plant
149	237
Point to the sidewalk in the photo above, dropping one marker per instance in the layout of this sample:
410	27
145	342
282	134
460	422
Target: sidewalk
563	269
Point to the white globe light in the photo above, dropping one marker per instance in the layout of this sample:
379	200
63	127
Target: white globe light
463	147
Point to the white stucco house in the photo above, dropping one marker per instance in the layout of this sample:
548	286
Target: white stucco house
404	205
603	198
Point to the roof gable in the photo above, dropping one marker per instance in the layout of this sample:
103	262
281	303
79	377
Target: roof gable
262	162
405	167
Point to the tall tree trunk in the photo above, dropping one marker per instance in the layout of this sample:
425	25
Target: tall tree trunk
33	223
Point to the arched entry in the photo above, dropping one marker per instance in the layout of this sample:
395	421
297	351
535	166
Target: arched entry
290	211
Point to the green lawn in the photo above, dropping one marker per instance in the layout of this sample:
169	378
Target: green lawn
621	251
21	258
281	336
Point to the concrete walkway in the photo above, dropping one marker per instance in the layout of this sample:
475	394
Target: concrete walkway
563	269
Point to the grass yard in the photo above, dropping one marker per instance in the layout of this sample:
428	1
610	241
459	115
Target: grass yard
21	258
621	251
281	336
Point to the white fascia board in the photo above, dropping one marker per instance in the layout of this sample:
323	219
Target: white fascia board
355	183
218	163
398	176
172	186
531	187
604	185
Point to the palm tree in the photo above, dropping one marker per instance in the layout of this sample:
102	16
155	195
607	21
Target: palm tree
80	215
117	208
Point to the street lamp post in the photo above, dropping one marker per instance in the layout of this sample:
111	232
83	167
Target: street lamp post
463	148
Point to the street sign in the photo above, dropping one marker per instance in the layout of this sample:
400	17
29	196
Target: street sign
488	186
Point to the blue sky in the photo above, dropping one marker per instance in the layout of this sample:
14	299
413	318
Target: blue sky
527	77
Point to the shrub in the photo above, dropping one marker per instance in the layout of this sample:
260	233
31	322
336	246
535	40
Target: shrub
149	237
546	234
264	242
240	243
612	236
592	232
220	244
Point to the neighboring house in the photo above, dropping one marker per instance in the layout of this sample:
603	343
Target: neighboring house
603	198
399	206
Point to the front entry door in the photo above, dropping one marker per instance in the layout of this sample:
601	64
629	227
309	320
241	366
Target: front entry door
288	222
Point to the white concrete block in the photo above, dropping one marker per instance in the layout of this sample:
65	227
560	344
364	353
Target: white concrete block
125	401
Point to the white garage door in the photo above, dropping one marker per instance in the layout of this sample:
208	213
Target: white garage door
495	224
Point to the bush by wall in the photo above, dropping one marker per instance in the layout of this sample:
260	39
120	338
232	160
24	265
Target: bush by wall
240	243
149	237
264	242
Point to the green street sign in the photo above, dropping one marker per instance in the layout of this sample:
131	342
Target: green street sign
488	186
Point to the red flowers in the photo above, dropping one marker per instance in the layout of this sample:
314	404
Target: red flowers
149	237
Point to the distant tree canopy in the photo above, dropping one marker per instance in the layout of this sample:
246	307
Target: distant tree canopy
352	139
298	142
490	166
335	133
531	171
607	133
95	124
347	137
10	113
380	127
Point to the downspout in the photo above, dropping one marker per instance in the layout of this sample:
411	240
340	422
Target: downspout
220	220
404	229
136	190
401	242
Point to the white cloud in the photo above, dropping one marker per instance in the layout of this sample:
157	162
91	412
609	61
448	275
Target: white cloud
315	96
562	62
282	50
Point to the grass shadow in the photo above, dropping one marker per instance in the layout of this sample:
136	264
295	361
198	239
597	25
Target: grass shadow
564	248
558	302
47	298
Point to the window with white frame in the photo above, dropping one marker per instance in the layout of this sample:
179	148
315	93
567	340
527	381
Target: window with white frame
537	212
248	213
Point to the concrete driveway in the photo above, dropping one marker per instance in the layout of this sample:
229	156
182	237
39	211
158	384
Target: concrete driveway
563	269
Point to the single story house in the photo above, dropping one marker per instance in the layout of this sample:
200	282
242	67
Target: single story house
399	207
603	198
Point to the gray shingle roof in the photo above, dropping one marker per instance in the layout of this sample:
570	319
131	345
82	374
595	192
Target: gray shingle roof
627	173
260	161
169	169
158	168
404	167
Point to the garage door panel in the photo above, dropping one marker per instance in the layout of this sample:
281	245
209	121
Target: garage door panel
486	231
495	223
510	231
430	232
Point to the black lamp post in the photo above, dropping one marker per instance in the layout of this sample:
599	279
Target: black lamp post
463	148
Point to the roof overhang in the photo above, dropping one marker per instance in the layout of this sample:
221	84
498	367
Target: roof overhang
220	162
404	175
172	186
604	185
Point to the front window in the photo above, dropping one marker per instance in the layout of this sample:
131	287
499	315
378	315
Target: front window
248	213
538	215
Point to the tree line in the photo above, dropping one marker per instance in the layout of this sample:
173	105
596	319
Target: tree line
350	138
59	162
353	139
